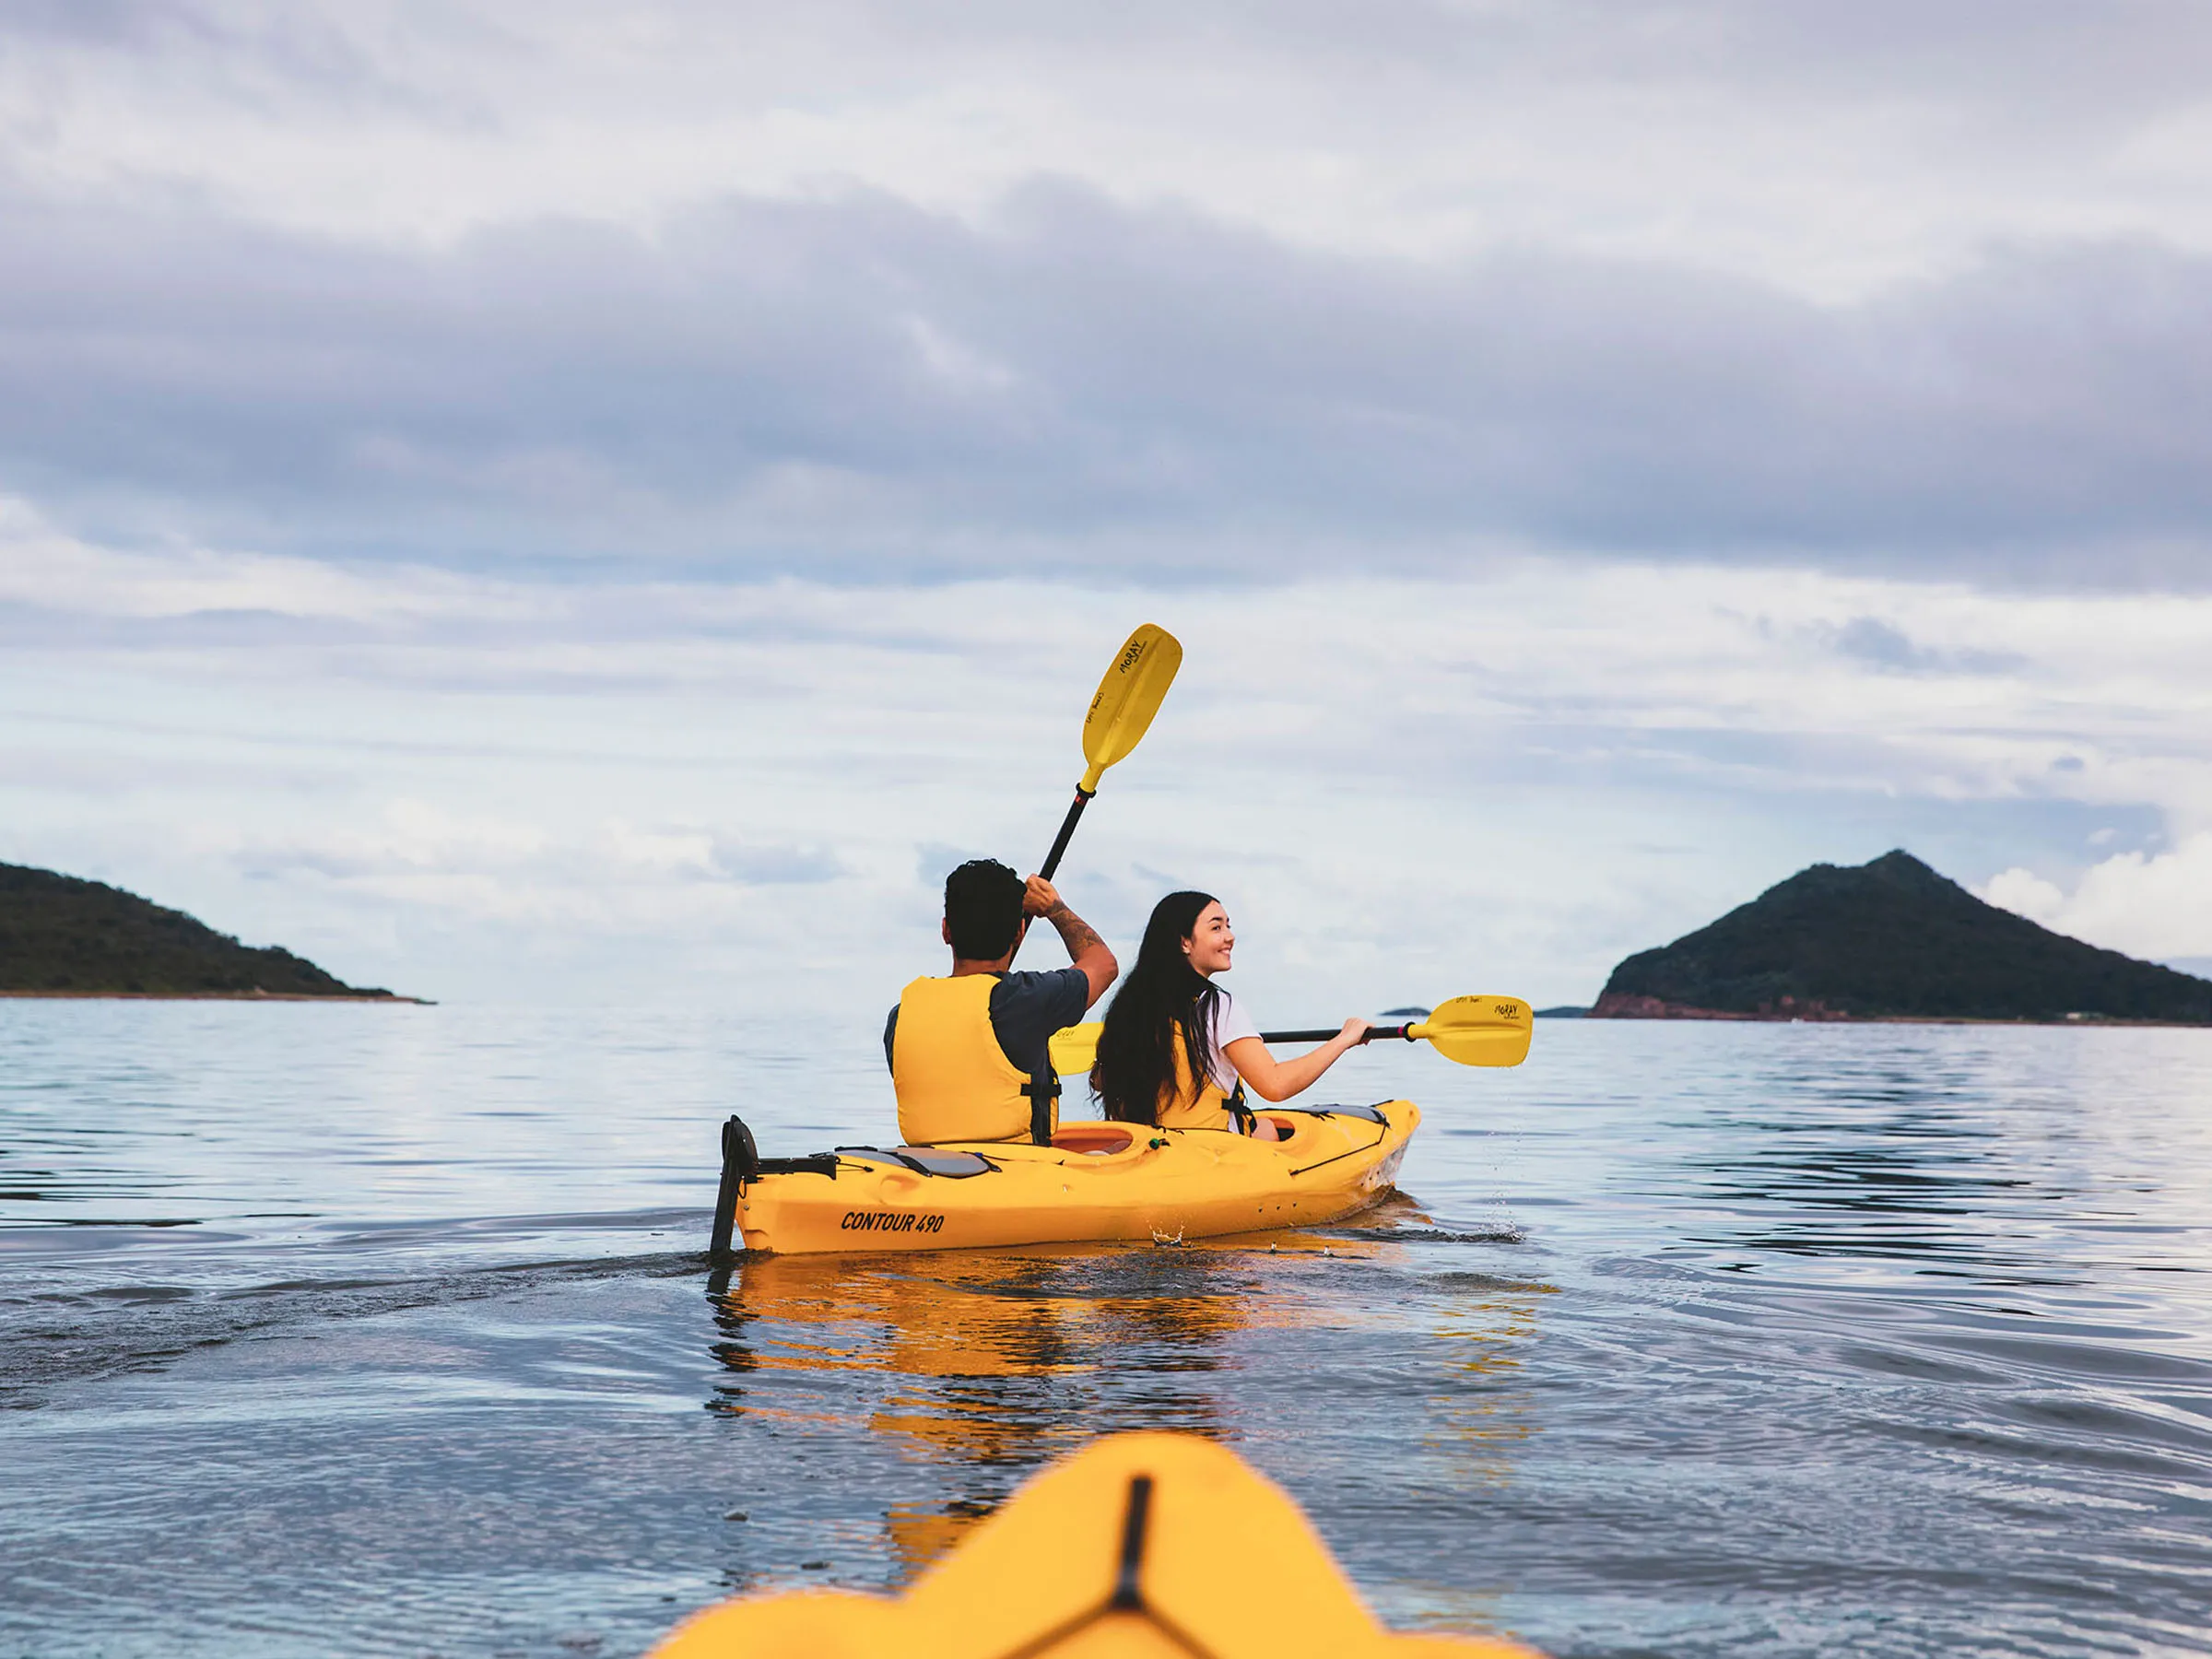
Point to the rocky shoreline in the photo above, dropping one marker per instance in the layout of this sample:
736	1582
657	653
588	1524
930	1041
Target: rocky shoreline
1892	941
67	937
1621	1005
283	996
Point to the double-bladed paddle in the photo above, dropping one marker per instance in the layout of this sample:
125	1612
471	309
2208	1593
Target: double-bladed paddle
1474	1030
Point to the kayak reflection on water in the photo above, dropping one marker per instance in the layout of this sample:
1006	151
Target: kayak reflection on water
985	1366
994	1362
976	1368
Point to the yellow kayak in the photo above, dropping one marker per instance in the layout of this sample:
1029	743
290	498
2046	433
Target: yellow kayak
1097	1182
1145	1545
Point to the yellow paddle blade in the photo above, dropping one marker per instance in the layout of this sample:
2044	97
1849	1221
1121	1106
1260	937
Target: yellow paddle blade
1128	698
1075	1047
1480	1031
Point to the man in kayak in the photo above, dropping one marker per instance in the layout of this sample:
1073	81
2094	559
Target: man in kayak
968	1054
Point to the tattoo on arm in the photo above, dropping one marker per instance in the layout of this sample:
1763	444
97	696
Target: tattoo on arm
1075	932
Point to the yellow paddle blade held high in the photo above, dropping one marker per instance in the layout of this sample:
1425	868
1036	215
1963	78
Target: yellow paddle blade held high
1128	698
1474	1030
1119	716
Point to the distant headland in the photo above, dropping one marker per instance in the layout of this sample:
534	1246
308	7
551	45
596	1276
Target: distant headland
64	937
1892	940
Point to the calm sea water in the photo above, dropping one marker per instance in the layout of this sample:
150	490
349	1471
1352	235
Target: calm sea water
383	1330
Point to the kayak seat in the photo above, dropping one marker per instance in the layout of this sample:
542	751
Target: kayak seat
957	1165
921	1160
1097	1138
1372	1114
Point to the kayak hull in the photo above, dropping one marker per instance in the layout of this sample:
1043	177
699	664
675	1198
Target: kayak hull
1159	1186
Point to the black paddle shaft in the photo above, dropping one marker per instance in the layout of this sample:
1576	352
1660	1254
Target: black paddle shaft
1067	831
1373	1034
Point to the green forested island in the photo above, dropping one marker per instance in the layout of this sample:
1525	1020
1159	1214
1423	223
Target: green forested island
1891	940
64	937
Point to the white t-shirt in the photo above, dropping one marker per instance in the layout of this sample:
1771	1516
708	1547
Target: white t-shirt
1230	1023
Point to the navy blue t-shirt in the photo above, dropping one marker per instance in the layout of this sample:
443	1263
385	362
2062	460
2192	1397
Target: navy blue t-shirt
1025	1009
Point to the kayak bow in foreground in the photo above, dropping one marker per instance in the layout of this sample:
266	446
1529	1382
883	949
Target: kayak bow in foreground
1097	1182
1142	1545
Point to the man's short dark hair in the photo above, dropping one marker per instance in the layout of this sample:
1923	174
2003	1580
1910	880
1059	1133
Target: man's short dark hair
982	910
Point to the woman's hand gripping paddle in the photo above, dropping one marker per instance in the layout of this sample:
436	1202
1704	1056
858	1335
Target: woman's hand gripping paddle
1119	716
1474	1030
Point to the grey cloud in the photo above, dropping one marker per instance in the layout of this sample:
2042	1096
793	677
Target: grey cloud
1885	646
735	863
1874	640
848	384
763	866
1989	53
2031	66
936	860
86	770
111	24
24	626
259	57
2035	67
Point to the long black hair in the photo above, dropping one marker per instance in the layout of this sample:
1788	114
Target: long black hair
1136	1066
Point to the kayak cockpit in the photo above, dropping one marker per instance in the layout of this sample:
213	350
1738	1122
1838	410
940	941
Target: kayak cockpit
1096	1139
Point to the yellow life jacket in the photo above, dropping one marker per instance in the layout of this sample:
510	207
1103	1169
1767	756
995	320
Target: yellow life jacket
1205	1107
953	1081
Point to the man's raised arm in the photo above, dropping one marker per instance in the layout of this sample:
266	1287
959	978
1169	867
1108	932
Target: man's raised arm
1085	949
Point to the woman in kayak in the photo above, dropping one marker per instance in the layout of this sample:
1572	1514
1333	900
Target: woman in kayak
1177	1051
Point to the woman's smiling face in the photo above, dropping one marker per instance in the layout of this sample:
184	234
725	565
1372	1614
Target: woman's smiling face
1211	940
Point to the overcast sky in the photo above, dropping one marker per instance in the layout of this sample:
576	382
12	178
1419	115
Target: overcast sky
558	501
